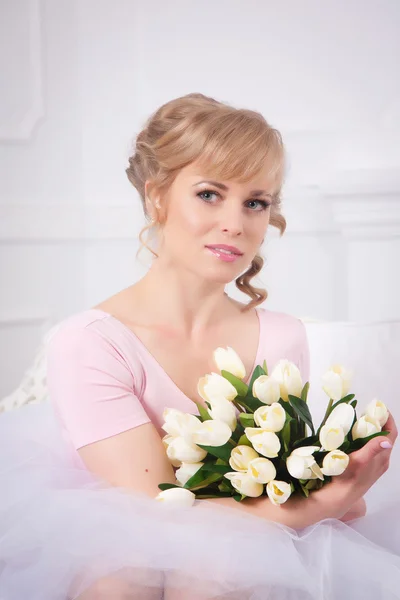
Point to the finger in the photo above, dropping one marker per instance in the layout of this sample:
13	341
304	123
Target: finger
391	426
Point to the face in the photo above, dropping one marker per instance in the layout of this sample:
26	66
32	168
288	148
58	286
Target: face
214	228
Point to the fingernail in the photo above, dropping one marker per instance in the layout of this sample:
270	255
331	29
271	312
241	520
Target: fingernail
387	445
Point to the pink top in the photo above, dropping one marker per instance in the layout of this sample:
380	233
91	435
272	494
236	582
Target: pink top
102	380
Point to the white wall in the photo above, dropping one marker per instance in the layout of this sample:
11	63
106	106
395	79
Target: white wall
77	80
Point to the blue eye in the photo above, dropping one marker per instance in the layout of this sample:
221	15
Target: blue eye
205	195
259	205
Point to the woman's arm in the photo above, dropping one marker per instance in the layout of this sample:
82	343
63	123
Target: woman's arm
136	459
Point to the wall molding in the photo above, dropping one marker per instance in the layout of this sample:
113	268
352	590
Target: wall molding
20	127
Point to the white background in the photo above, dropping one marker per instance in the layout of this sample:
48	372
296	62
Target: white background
78	79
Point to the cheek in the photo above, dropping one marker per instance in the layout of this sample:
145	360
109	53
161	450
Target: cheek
188	219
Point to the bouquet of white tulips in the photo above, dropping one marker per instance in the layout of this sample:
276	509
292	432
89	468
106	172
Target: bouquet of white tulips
255	439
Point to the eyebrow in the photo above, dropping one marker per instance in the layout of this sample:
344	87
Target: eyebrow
225	188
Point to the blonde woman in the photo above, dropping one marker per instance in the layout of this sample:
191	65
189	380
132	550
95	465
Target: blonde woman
79	518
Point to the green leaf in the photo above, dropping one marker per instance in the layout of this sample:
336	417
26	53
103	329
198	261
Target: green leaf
302	411
167	486
265	368
240	386
225	486
360	442
288	408
220	495
251	404
223	452
213	468
304	392
305	491
237	497
354	404
286	433
246	419
198	481
244	441
311	440
203	412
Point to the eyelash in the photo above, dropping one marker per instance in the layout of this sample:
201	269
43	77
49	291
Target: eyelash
265	205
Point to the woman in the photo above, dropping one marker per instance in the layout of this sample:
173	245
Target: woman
89	465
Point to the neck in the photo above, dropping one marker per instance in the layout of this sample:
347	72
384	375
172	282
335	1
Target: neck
179	298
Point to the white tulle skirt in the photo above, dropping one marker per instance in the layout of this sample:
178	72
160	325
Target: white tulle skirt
66	535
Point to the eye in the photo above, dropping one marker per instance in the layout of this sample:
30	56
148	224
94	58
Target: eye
258	205
207	195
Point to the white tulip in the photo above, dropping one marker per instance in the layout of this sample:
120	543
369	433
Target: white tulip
262	470
241	456
302	465
245	484
223	410
226	359
335	463
266	443
215	386
167	439
364	427
212	433
178	423
186	471
289	378
266	389
331	438
278	491
270	418
179	497
180	451
378	411
343	416
336	382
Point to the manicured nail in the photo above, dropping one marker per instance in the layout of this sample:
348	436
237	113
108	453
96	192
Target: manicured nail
387	445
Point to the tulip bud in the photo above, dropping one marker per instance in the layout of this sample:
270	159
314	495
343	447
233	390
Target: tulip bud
215	386
241	456
336	382
364	427
270	418
341	416
179	497
331	438
335	463
278	491
223	410
228	360
302	465
266	443
266	389
178	423
180	451
212	433
186	471
245	484
378	411
262	470
288	376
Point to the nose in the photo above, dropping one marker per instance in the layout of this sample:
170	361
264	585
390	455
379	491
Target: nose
231	222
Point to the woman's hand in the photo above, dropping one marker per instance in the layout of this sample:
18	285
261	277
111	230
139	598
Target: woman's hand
366	466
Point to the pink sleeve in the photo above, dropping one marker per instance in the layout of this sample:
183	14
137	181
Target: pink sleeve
91	386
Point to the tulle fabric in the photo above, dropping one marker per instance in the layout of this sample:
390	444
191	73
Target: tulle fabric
65	535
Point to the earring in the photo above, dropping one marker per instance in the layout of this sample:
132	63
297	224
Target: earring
157	204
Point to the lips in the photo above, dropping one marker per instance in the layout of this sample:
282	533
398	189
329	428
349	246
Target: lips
223	248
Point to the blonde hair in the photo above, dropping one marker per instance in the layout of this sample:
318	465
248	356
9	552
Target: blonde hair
229	143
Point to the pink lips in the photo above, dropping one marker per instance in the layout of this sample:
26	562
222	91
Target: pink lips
224	252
